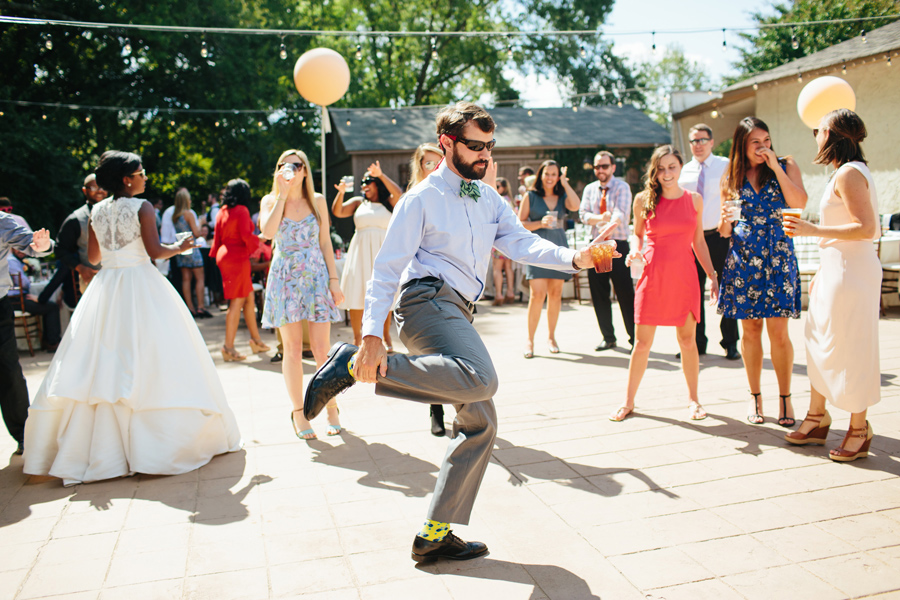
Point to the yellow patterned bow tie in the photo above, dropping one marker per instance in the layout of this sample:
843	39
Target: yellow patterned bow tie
470	189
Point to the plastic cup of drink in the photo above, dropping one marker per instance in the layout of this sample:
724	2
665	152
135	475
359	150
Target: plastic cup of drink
602	255
637	267
790	212
347	180
287	171
734	206
180	237
553	218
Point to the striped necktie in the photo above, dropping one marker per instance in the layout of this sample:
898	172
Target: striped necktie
701	180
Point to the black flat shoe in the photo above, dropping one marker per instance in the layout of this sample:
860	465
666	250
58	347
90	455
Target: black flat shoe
605	345
437	421
277	358
333	378
451	547
20	450
731	353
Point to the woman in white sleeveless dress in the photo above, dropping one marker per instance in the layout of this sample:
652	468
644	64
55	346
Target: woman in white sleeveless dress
132	387
842	322
371	215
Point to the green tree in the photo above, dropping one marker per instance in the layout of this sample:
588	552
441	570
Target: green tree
49	150
672	72
770	47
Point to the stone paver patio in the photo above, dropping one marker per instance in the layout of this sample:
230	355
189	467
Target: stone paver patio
573	506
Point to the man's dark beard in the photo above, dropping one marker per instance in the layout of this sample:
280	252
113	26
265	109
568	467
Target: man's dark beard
467	170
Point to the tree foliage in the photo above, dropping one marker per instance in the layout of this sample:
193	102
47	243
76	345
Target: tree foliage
48	151
768	48
672	72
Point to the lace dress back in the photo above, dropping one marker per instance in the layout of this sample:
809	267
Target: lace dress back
118	229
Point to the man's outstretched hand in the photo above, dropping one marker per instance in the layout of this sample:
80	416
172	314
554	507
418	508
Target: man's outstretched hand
371	360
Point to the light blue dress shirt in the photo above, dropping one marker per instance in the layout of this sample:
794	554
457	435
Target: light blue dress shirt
436	233
13	235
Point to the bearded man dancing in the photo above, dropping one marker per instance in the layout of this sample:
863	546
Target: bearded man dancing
438	249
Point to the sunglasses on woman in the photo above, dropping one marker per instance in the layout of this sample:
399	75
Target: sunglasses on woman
473	145
295	166
367	180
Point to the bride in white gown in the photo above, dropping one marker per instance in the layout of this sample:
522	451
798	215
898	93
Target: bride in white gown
132	387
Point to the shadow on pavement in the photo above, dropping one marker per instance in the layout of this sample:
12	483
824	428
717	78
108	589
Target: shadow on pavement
604	485
382	466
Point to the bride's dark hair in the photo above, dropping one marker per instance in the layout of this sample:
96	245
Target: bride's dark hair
114	166
237	192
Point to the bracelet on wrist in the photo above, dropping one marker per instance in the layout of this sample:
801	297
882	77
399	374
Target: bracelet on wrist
333	278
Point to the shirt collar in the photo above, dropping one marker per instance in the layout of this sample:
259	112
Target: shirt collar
450	178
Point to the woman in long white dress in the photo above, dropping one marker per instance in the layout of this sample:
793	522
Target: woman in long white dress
132	387
842	322
371	215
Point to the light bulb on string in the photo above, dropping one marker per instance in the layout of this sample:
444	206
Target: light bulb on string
358	51
795	43
619	104
131	121
434	52
714	114
574	109
217	123
509	49
653	37
87	119
259	123
724	41
583	51
799	77
864	40
48	42
755	86
844	68
282	52
530	113
44	117
204	49
889	60
348	121
171	123
127	47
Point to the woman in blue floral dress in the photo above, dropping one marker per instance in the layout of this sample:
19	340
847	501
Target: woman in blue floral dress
761	281
303	278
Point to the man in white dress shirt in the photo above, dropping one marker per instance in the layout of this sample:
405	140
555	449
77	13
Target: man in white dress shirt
702	175
438	249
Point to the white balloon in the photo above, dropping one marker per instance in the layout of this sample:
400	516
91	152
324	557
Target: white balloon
823	95
322	76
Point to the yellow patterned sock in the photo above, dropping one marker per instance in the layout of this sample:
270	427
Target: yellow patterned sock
434	531
352	363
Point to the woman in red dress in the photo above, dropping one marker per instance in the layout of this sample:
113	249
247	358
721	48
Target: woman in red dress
232	246
667	292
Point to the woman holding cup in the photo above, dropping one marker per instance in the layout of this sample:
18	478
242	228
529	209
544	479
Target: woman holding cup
371	215
844	296
667	293
761	280
543	211
303	282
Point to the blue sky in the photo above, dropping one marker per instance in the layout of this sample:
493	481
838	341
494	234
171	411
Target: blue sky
666	15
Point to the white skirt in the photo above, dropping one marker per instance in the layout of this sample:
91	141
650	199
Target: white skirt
842	326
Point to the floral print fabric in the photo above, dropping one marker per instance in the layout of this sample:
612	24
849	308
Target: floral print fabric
761	279
297	288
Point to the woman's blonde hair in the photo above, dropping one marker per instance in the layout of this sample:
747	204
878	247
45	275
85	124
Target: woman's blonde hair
309	192
416	174
182	203
652	187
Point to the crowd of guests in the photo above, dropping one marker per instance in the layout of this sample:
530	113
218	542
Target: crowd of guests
682	226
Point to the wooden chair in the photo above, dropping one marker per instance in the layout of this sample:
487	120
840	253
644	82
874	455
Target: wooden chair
890	277
30	324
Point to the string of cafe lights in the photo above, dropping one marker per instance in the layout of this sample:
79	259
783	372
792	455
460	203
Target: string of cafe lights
508	36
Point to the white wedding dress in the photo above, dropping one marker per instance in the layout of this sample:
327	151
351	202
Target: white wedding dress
132	387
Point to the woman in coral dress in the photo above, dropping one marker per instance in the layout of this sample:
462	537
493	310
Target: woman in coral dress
303	282
667	292
132	388
371	215
844	296
233	243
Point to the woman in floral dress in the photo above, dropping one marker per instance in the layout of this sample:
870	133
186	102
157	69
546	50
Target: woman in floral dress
761	280
303	279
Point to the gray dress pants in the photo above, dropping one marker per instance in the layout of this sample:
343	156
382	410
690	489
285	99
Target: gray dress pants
447	364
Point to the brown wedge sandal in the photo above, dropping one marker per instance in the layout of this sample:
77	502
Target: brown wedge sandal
816	436
841	455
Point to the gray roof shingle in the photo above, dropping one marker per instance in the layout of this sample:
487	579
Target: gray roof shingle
371	129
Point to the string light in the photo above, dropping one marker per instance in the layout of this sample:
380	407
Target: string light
259	123
509	50
44	117
864	40
583	51
889	60
724	41
844	68
358	51
217	123
530	113
204	49
348	121
127	47
48	42
799	77
393	118
283	51
755	86
87	119
619	104
574	109
653	37
172	123
714	114
434	52
795	43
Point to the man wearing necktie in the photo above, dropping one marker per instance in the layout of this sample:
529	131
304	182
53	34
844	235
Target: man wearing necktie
438	249
607	203
702	175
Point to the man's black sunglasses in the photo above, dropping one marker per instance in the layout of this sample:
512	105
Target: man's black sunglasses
473	145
